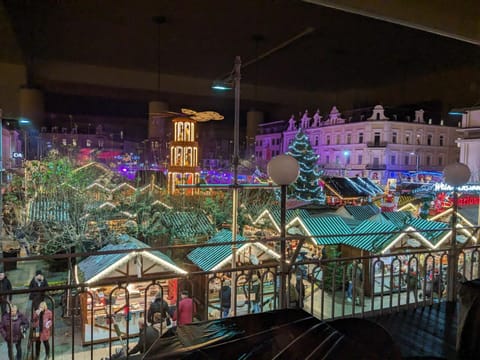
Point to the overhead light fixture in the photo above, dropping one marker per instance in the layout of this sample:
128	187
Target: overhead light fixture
222	85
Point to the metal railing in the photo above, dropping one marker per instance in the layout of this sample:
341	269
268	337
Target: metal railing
326	288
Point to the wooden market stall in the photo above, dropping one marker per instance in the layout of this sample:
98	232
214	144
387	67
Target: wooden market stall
216	258
111	303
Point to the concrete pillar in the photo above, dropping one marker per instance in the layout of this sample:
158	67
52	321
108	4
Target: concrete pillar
254	118
156	122
32	106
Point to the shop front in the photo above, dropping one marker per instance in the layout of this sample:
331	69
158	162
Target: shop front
116	304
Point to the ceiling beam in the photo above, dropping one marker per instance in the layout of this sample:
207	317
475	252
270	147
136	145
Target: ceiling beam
457	20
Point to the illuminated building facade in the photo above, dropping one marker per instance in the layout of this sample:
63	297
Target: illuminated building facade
368	143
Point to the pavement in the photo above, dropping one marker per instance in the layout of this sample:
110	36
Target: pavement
62	343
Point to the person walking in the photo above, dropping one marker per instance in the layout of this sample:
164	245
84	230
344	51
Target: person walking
38	282
300	289
225	298
412	283
147	336
186	309
42	325
12	328
158	314
5	286
358	283
255	289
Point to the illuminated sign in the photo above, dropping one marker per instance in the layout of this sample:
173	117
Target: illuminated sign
17	155
446	187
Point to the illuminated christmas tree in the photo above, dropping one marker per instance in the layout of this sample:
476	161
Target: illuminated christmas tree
307	186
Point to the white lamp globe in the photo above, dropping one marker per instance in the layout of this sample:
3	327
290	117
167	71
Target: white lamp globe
456	174
283	169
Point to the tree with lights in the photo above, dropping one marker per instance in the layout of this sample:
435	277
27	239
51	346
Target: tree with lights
306	186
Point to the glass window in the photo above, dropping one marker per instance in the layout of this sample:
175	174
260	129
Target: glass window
360	138
349	138
360	159
394	138
392	160
429	140
441	140
328	139
406	159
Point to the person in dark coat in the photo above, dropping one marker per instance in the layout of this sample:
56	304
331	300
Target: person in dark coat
147	336
300	288
158	314
5	285
37	282
13	336
225	299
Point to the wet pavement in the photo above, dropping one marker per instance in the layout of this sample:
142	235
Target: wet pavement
61	345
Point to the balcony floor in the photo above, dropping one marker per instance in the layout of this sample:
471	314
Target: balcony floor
422	332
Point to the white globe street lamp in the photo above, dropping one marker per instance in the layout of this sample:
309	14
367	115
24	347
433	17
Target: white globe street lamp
456	174
283	170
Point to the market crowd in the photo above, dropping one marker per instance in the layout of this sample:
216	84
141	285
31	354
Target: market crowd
15	325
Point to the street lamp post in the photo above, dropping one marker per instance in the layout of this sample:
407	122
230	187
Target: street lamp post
283	170
417	162
236	129
456	174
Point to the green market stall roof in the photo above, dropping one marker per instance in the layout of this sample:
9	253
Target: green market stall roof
137	262
215	257
324	230
48	210
363	212
187	225
372	236
351	188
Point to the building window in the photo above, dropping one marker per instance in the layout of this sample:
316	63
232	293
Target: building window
428	160
440	161
407	139
328	139
74	142
418	139
337	159
89	143
429	140
394	138
376	138
64	142
392	160
360	138
360	159
347	159
327	159
349	138
441	140
337	140
316	140
100	143
406	159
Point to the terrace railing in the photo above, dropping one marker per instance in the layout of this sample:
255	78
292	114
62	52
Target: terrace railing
326	288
